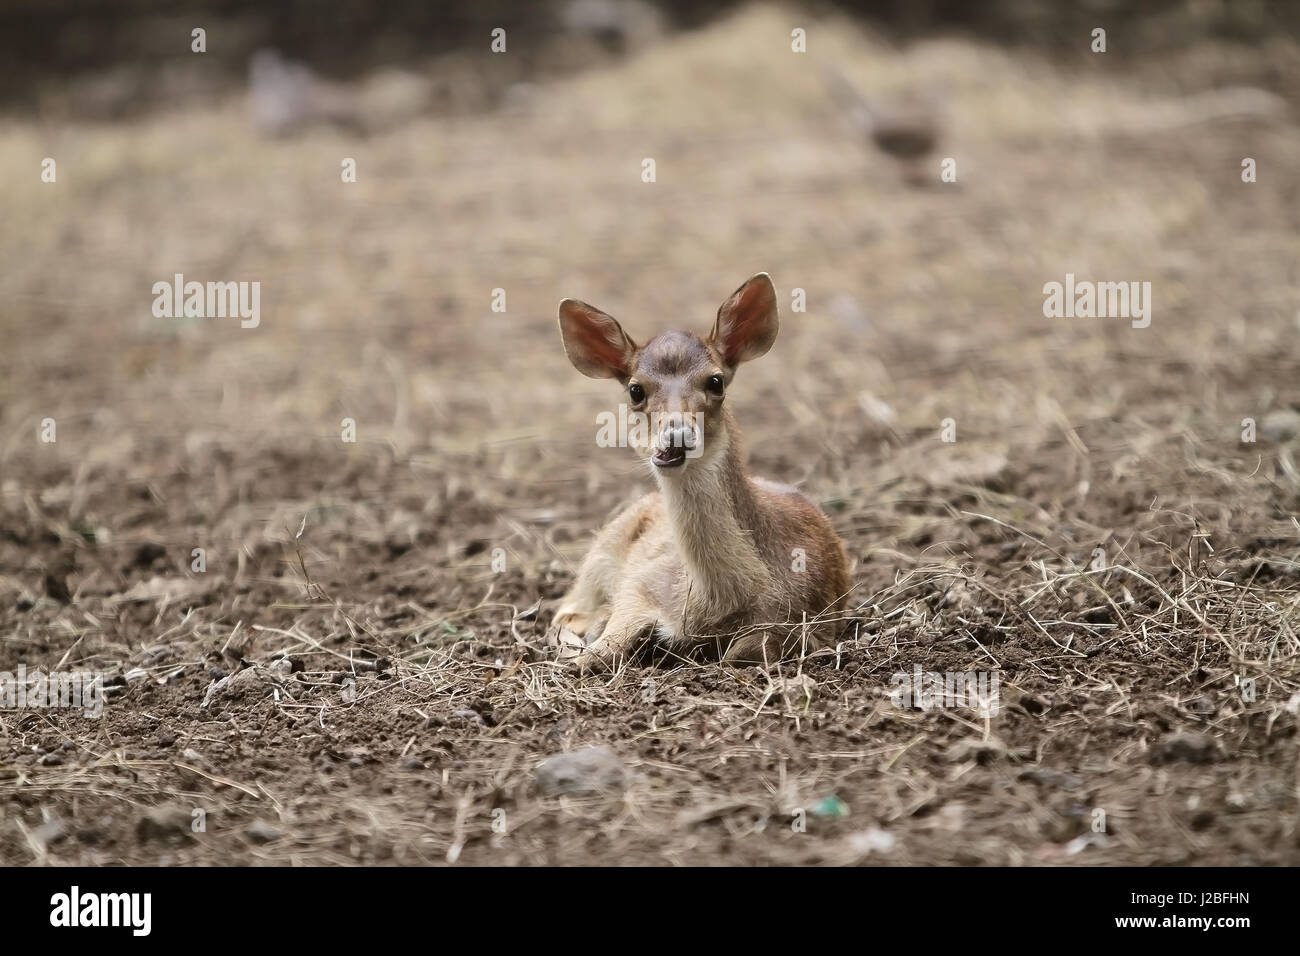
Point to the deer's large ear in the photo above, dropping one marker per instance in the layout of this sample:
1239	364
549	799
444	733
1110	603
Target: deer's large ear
747	322
594	342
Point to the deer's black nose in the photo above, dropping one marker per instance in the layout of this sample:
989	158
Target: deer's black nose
677	440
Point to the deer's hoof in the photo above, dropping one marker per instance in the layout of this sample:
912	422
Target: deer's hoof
568	644
573	632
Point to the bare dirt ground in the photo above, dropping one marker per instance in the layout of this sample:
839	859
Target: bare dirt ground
417	696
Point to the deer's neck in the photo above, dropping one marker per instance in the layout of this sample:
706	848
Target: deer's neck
715	518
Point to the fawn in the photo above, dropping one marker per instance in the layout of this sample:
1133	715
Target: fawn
716	560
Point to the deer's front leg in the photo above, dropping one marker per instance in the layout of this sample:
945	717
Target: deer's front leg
583	611
580	618
587	599
572	631
626	632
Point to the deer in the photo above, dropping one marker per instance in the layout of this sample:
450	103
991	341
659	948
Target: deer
715	563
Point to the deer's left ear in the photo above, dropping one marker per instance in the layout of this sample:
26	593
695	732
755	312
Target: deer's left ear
747	322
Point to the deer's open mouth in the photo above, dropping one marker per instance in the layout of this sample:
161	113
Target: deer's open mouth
671	457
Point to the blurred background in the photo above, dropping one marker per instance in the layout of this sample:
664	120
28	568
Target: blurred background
805	141
110	58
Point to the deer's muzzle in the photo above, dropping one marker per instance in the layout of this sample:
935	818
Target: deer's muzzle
677	439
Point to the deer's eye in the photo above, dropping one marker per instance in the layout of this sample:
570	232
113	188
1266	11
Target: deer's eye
636	393
715	384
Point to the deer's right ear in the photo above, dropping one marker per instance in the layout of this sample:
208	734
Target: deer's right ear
594	342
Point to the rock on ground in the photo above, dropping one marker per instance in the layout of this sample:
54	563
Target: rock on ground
590	770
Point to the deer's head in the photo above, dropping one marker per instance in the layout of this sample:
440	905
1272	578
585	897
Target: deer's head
678	380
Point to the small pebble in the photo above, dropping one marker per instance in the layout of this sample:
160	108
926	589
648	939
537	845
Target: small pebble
259	831
589	770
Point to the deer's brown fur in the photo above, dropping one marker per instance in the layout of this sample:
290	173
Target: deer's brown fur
716	559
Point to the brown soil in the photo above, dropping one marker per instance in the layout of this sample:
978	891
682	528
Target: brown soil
418	697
